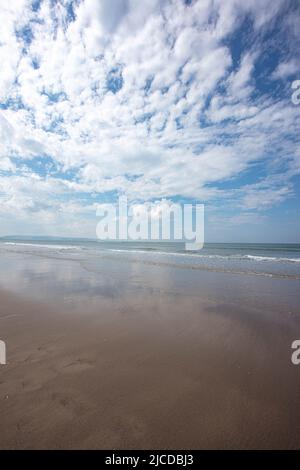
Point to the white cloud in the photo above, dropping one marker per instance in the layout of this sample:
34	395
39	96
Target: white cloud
286	69
170	65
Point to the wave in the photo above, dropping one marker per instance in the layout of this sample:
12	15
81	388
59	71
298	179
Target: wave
88	257
40	245
272	258
152	252
238	257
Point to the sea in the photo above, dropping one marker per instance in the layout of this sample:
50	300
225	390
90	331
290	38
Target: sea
257	259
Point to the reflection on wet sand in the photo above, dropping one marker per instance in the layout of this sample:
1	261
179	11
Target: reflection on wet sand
108	354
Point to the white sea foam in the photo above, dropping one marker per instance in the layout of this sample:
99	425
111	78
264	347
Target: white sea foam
236	257
40	245
149	253
271	258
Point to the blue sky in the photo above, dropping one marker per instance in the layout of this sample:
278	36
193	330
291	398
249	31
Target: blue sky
159	100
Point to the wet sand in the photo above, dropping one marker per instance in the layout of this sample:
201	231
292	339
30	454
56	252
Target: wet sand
140	357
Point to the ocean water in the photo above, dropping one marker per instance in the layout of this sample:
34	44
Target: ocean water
273	260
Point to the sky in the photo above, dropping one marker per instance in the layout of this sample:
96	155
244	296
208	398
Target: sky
158	100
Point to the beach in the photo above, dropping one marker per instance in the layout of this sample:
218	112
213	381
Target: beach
118	352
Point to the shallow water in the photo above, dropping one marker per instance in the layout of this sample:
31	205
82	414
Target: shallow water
270	260
144	350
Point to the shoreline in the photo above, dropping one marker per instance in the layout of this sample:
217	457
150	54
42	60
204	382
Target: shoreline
141	357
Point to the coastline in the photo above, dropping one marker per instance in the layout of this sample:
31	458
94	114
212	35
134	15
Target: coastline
144	357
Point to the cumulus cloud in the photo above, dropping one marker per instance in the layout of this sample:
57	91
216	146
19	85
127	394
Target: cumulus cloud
287	69
143	98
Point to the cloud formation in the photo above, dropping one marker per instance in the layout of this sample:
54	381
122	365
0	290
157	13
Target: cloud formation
154	99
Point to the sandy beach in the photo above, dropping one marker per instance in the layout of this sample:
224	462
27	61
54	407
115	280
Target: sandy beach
142	357
150	226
